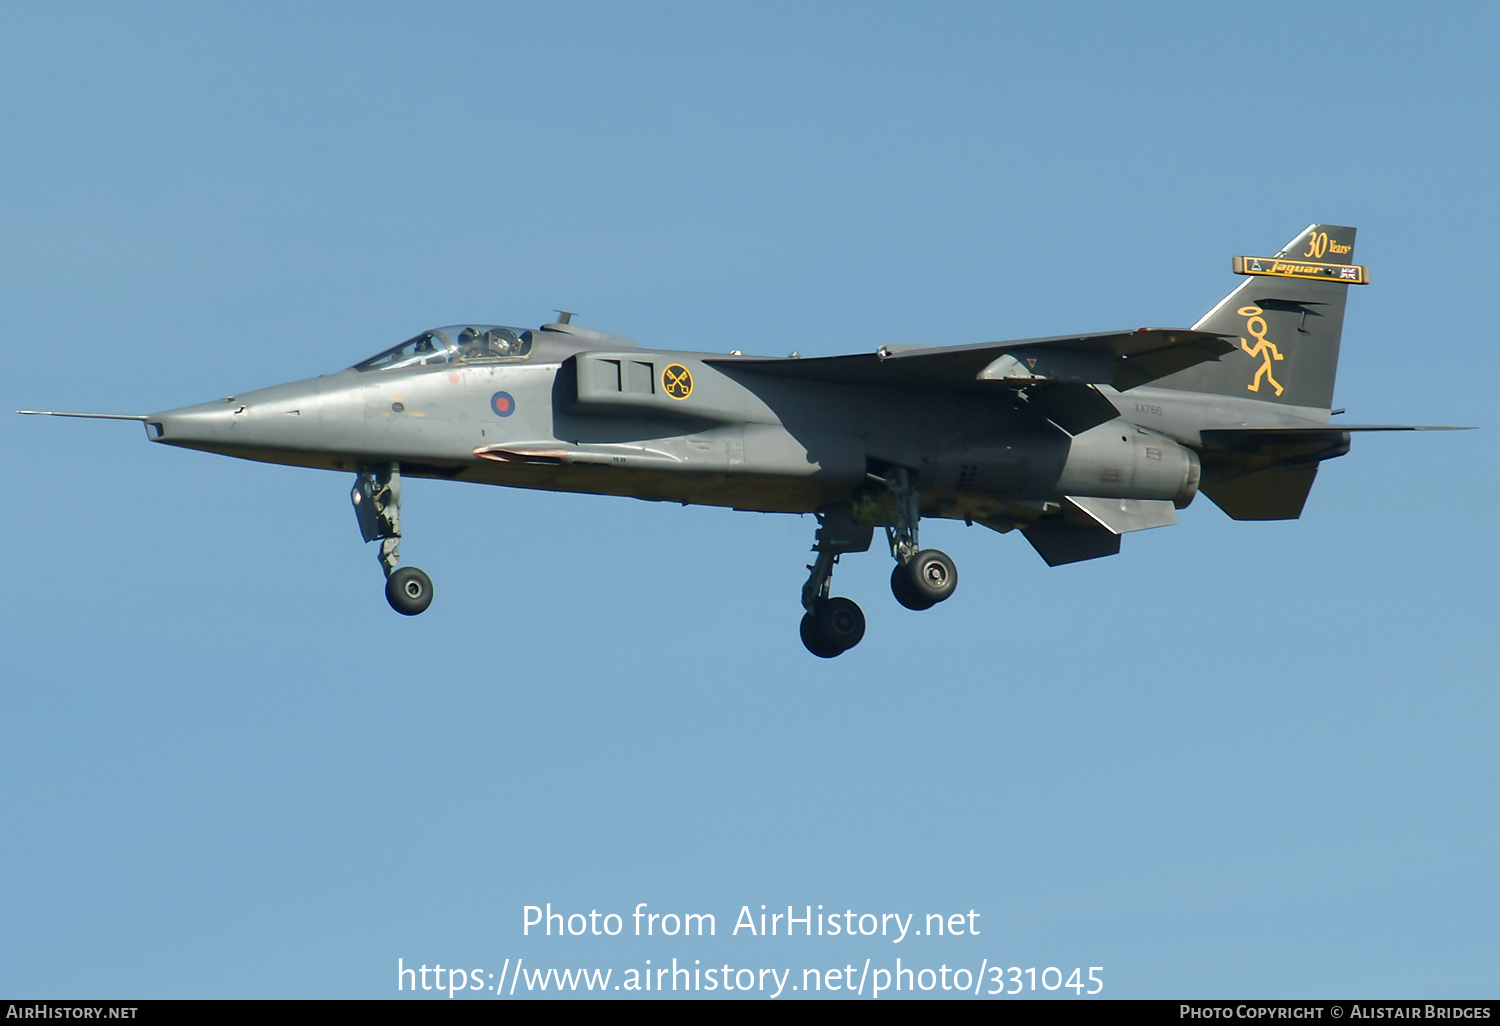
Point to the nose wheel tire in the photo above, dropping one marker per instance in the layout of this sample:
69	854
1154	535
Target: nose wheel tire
408	590
834	626
923	581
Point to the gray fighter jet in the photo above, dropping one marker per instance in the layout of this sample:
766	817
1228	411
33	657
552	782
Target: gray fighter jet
1073	441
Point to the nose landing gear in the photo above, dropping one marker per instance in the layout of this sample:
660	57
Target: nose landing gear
377	506
408	590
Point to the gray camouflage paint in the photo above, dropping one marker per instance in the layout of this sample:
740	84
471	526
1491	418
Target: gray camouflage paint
1074	440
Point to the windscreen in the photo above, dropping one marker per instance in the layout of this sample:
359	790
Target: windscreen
459	343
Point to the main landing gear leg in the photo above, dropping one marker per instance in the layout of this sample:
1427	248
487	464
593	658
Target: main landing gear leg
922	577
832	625
377	506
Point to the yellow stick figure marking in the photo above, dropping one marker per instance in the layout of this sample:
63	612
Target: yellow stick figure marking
1264	348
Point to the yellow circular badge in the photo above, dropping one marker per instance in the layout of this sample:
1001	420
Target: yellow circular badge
677	381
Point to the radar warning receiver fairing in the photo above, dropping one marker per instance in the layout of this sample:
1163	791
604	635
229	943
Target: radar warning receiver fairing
1073	441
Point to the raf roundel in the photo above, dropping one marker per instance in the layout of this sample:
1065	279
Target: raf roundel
503	403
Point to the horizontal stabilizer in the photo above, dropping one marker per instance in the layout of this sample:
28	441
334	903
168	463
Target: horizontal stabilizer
1276	493
1246	445
1258	437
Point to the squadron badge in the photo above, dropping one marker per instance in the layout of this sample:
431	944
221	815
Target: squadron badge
677	381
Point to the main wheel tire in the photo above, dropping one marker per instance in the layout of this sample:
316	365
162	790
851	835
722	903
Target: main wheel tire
408	590
841	621
901	588
927	578
813	638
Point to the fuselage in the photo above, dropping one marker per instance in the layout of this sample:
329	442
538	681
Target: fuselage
586	412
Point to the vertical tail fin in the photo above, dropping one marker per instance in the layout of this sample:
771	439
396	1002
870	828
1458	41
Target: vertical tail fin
1288	315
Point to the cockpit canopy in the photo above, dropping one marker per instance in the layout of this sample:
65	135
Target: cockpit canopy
457	343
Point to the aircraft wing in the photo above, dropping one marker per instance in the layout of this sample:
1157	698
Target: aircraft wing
1058	374
1123	359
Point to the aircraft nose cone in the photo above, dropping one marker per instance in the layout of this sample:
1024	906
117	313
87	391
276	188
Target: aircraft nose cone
205	423
282	418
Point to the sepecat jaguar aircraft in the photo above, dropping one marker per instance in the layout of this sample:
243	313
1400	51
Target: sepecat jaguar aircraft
1073	441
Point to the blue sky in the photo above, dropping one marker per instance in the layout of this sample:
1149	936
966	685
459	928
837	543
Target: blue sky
1236	760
